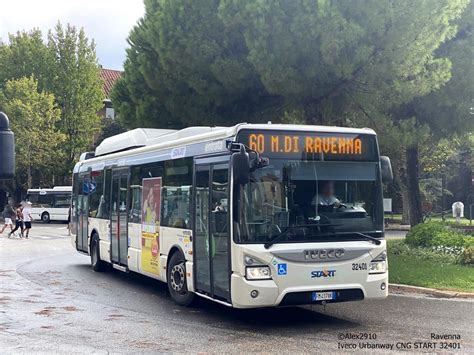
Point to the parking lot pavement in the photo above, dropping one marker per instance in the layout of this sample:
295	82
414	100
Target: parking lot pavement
51	301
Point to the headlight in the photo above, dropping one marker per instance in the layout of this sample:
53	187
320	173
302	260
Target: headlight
379	264
258	273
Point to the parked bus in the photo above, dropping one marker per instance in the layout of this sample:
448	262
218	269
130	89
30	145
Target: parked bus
254	215
50	204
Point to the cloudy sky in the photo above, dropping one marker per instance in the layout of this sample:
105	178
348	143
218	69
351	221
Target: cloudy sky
108	22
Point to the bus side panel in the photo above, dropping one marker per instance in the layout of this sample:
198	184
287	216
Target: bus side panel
101	226
134	246
58	214
182	238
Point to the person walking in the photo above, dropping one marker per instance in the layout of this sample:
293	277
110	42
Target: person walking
8	217
27	218
18	221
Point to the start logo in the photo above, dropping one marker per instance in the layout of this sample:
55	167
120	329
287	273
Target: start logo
323	273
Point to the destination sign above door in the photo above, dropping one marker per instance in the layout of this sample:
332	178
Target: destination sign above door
311	145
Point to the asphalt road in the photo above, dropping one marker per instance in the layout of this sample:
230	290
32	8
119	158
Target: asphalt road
51	301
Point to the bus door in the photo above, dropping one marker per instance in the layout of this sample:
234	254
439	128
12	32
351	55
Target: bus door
118	217
82	215
211	228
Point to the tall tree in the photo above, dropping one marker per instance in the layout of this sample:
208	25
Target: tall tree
25	54
443	113
186	66
33	119
329	61
75	81
66	66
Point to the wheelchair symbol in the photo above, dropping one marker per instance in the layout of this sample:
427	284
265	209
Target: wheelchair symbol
281	269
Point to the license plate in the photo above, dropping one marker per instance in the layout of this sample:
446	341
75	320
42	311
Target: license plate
323	296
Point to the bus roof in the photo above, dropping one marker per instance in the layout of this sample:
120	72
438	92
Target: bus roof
142	140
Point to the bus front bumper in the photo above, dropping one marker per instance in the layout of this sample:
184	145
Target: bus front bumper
266	293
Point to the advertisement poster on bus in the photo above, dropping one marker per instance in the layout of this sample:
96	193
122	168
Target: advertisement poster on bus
151	197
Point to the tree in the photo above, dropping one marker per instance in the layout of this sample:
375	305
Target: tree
26	54
75	81
443	113
185	66
66	66
33	118
331	61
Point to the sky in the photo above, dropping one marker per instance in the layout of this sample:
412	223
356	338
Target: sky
108	22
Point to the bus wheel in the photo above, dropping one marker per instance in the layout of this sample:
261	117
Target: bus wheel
97	264
45	217
176	276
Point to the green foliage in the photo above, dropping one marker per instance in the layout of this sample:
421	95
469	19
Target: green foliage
400	248
467	256
33	118
435	234
344	62
422	235
25	55
75	81
65	66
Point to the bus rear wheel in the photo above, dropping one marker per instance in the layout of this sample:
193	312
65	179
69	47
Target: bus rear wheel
176	277
97	264
45	217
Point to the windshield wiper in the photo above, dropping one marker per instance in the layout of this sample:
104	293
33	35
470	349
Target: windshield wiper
282	234
375	240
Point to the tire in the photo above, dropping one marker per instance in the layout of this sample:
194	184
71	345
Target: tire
176	277
97	264
45	217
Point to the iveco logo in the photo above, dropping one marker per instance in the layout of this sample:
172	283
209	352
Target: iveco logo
323	254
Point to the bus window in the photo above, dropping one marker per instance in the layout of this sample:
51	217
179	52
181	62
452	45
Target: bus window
105	210
176	193
135	210
96	198
45	200
62	201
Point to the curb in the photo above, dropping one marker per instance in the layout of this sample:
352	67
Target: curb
401	289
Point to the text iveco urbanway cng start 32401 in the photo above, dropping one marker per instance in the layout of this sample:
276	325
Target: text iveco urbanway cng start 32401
248	216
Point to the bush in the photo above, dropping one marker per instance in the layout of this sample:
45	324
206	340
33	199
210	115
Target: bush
436	234
439	254
448	238
467	256
422	234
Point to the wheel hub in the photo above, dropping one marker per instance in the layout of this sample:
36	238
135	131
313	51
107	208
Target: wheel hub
177	277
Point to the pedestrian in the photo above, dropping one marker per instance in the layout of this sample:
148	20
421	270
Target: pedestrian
8	217
27	218
18	221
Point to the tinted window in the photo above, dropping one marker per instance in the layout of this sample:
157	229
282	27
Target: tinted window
96	198
33	198
105	208
176	193
62	201
45	200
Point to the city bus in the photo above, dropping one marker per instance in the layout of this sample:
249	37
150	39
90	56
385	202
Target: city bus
50	204
254	215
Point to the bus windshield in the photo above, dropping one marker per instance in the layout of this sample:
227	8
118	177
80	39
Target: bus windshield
305	201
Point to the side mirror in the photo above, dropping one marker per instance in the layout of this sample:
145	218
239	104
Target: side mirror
7	149
240	166
386	169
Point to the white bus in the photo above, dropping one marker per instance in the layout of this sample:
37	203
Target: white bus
254	215
50	204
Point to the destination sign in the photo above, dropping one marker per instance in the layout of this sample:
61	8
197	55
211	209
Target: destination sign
311	145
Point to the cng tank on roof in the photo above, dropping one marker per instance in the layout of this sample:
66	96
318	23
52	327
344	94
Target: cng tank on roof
7	148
